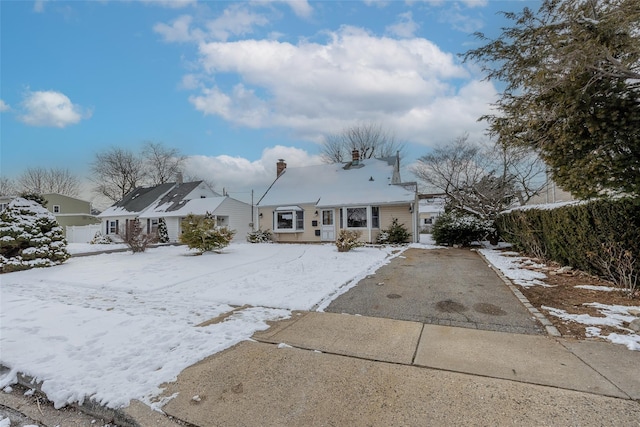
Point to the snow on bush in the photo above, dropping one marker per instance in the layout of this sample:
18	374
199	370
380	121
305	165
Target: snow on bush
101	239
30	237
260	236
202	234
457	228
347	240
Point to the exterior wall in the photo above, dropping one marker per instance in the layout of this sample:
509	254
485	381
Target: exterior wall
551	193
68	205
173	228
307	235
122	222
239	214
200	191
387	214
404	215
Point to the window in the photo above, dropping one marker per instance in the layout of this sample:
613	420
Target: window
56	208
112	227
375	217
284	220
289	220
356	217
153	225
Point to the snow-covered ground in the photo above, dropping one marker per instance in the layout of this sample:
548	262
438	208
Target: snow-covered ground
611	315
114	327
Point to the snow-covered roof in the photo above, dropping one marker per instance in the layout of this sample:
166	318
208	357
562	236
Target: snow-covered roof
137	200
194	206
338	184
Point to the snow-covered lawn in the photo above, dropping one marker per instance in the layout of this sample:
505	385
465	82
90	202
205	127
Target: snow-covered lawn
512	265
114	327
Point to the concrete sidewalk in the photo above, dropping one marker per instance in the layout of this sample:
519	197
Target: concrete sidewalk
338	369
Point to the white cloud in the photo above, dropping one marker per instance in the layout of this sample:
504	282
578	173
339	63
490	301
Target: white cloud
171	4
405	27
38	6
236	20
50	108
239	176
178	31
461	22
475	3
4	106
300	7
317	88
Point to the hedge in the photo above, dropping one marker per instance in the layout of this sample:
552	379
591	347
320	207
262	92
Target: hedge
595	236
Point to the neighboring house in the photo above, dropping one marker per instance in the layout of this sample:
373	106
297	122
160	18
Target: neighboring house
173	201
69	211
431	207
551	193
313	203
228	212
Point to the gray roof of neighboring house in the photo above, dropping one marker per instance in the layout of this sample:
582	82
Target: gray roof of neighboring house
138	199
175	197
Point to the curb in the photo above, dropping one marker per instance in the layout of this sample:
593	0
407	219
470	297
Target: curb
548	326
89	407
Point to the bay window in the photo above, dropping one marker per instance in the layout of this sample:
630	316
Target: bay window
288	219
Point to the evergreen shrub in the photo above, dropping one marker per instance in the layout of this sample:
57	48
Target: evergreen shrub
203	235
163	233
260	236
459	228
396	233
601	237
30	237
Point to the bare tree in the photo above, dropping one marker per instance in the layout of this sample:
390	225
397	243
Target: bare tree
39	180
162	163
116	172
482	181
369	138
7	186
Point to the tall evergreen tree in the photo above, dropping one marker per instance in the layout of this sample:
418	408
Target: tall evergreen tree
572	74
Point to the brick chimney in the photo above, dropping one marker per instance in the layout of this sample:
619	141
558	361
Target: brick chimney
280	167
179	178
355	157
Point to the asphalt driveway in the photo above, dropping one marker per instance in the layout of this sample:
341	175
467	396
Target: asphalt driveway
451	287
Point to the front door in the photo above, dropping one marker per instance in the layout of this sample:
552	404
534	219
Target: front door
328	226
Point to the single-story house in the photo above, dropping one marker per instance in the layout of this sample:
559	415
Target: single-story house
173	201
313	203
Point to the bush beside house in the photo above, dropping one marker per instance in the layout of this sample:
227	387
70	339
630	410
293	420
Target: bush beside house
202	234
460	228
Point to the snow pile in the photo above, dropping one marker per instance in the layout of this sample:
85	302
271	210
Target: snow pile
114	327
511	266
612	315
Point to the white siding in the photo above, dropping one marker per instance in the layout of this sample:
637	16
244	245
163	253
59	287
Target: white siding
239	214
173	228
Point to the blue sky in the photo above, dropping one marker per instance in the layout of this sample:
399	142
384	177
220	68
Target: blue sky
235	85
